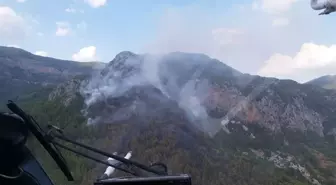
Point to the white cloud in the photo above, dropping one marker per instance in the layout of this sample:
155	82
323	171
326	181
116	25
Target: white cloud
40	34
311	61
96	3
62	31
188	30
241	37
280	22
41	53
12	26
86	54
70	10
63	28
274	6
21	1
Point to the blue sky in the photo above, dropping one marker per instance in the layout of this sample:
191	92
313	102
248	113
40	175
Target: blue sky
113	27
284	39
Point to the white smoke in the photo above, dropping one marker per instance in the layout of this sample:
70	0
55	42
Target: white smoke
190	98
110	84
128	70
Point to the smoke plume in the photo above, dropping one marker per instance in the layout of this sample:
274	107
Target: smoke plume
162	79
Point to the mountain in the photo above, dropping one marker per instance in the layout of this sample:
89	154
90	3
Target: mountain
328	81
222	92
197	115
22	72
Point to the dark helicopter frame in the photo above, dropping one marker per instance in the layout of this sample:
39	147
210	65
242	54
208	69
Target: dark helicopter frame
34	174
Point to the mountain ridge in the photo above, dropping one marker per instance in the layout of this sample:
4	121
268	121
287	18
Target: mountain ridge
23	72
242	129
250	86
327	81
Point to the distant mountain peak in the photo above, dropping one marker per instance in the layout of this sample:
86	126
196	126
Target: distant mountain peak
10	51
123	62
327	81
124	55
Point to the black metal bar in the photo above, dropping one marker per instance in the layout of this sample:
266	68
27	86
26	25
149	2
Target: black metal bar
90	157
39	134
121	159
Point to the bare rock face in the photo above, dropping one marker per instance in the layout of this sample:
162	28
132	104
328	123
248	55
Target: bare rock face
276	114
265	107
66	92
